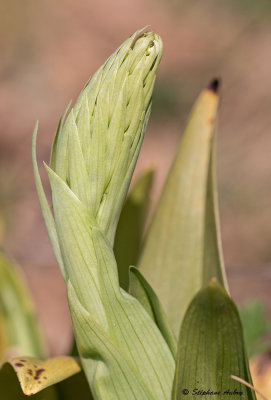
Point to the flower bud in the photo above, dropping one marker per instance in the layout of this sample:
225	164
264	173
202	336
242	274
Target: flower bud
96	149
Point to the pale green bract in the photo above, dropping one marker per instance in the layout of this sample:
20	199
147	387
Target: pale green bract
123	353
96	150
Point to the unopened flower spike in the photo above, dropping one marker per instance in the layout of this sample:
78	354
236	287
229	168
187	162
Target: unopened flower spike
97	147
93	157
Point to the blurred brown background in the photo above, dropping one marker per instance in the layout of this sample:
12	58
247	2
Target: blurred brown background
48	51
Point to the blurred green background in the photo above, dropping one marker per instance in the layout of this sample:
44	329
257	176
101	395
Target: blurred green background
48	51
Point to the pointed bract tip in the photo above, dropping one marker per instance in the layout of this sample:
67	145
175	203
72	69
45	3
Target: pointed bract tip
214	85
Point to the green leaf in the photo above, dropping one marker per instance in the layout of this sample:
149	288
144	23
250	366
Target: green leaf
58	130
142	291
131	224
211	348
19	329
182	246
213	263
115	315
115	378
255	327
45	208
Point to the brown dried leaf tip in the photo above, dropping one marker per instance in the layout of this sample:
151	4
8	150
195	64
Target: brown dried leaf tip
214	85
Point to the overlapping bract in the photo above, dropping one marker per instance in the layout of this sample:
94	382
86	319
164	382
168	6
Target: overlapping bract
95	151
92	161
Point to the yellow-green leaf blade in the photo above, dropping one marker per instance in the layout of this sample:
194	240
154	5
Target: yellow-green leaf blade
92	271
35	375
113	377
213	263
10	388
45	208
143	292
173	256
211	348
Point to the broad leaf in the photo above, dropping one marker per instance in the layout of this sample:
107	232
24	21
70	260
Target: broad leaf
115	316
211	349
142	291
130	228
10	388
183	230
115	378
19	329
35	375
